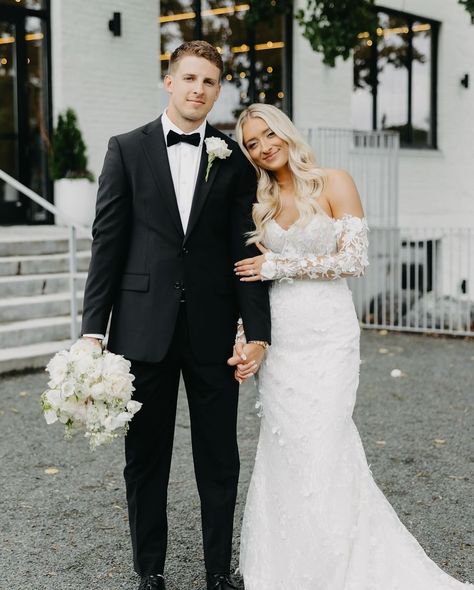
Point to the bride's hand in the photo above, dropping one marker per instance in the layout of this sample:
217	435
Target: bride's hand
249	269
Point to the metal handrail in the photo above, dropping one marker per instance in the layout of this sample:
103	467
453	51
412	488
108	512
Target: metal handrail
74	229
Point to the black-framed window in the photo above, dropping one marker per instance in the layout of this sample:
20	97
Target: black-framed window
395	78
25	106
257	60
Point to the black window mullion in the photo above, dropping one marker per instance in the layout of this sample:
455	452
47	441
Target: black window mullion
198	20
22	102
434	85
409	64
288	62
374	79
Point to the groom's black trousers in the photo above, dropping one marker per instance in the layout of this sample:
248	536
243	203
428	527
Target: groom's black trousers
212	394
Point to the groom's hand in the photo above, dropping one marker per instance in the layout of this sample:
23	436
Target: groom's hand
95	340
247	359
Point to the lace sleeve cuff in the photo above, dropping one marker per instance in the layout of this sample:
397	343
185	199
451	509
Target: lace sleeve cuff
350	260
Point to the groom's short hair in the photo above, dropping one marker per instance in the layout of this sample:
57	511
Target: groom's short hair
198	49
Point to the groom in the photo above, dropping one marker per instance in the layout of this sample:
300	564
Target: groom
170	223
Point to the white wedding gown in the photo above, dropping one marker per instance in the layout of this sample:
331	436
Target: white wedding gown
314	518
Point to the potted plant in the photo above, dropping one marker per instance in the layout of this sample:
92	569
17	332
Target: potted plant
74	191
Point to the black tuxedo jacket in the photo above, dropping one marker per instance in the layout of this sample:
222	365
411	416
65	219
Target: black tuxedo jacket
142	260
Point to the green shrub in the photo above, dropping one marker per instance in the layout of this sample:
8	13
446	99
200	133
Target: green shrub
68	157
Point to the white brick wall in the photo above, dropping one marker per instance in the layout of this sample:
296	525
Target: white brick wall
321	95
112	82
436	186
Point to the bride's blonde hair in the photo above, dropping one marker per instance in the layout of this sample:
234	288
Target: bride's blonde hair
308	178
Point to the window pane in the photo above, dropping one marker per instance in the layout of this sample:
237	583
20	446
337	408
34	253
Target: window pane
9	198
421	93
392	91
224	27
177	25
37	108
270	63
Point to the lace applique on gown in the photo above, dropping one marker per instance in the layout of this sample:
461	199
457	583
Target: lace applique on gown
314	517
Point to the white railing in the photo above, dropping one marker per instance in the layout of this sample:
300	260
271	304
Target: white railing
74	230
419	280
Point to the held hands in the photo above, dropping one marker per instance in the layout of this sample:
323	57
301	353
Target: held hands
249	269
247	359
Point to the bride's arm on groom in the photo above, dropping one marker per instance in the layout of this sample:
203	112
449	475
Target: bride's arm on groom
342	197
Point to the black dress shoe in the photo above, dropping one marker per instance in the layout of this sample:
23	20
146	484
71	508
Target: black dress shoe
152	582
220	582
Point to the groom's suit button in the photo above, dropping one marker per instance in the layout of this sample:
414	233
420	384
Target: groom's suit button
178	285
185	251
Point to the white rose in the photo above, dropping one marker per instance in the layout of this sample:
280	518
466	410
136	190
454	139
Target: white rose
67	389
50	416
58	366
218	147
133	406
53	397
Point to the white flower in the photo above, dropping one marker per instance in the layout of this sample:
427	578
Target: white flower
50	416
90	390
396	373
133	406
215	148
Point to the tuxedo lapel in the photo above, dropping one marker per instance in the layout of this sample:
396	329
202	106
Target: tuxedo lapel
153	142
203	186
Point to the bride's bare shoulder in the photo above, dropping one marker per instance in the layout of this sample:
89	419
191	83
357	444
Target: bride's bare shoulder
341	193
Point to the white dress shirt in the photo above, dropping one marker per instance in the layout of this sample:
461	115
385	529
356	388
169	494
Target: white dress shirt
184	160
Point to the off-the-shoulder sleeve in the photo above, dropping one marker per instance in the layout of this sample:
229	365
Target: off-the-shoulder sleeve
350	259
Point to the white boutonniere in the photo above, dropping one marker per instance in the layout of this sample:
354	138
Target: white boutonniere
215	148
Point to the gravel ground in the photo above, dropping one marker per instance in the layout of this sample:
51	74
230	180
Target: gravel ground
68	529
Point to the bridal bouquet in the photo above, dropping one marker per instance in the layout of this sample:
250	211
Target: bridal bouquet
91	390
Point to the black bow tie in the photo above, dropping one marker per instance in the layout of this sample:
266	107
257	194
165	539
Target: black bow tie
173	138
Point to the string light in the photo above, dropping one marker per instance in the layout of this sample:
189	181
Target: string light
28	37
4	61
261	94
269	69
369	42
242	74
396	30
229	77
208	12
281	94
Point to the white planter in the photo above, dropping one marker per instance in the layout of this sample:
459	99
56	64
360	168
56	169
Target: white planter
75	197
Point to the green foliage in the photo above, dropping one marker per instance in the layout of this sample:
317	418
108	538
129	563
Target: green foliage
265	10
68	158
469	6
332	26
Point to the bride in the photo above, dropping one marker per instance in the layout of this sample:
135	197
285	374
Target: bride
314	518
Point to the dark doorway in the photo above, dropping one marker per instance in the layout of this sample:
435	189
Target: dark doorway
24	106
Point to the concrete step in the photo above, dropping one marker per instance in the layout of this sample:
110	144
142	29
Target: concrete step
44	263
32	356
15	309
34	240
14	334
41	284
35	247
